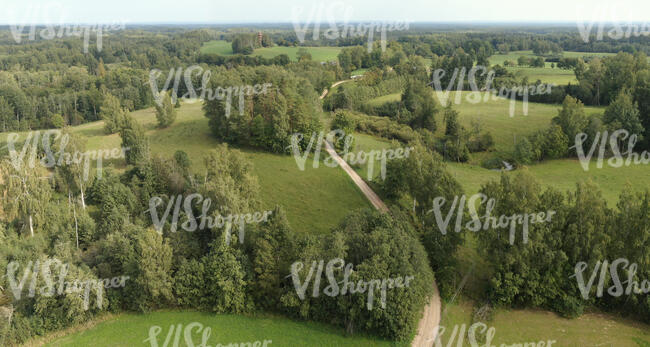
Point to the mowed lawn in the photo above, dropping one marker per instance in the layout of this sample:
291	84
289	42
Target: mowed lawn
315	199
132	330
317	53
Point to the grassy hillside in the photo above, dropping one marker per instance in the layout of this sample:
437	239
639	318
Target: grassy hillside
309	207
132	330
494	116
317	53
562	174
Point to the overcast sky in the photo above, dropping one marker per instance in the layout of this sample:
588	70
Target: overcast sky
247	11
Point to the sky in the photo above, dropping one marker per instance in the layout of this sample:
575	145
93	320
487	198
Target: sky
312	11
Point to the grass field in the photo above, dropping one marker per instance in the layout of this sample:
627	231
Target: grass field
317	53
562	174
358	72
494	116
525	326
309	208
545	74
132	330
217	47
368	143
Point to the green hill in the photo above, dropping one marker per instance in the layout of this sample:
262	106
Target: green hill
562	174
309	207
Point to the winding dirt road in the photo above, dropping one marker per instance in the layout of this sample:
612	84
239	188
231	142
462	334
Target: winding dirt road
322	96
428	325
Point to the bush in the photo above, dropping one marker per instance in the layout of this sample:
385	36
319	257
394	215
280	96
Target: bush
57	121
189	284
524	152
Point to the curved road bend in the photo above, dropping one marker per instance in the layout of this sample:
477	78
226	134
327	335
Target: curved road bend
428	325
322	96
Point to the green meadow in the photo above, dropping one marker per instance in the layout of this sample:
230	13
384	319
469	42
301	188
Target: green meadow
514	55
525	326
317	53
495	115
563	174
546	74
309	208
133	330
217	47
513	327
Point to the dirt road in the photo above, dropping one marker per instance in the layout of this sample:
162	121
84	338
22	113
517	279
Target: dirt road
322	96
428	325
